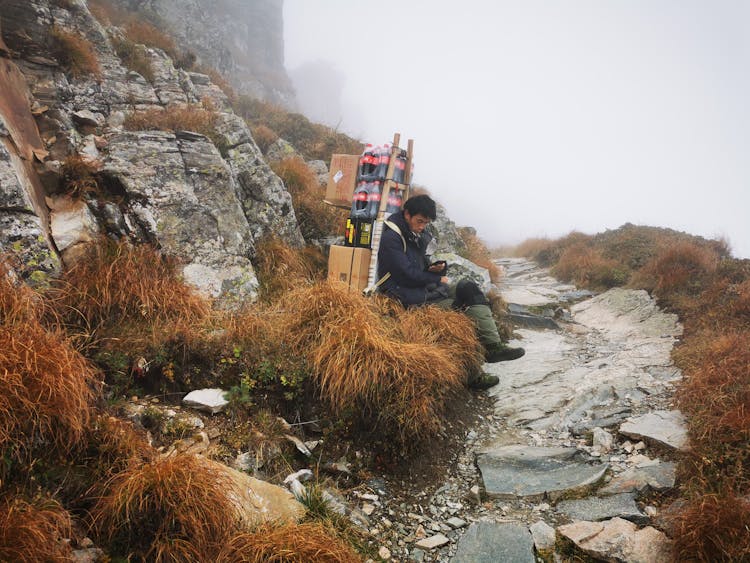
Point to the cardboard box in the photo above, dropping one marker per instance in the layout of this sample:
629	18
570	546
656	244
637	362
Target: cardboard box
342	179
350	265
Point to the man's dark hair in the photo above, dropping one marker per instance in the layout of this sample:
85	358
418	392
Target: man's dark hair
421	205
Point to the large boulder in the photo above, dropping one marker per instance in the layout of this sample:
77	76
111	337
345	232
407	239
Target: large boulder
182	196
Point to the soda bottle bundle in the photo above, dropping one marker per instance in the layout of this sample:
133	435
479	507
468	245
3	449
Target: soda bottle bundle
371	176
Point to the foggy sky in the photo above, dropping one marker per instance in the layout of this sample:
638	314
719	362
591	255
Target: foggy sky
534	118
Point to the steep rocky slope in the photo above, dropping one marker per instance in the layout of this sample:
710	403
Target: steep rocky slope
243	40
205	201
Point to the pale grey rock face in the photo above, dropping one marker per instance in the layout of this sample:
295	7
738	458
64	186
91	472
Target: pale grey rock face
445	233
12	192
279	150
206	204
263	196
23	235
241	39
460	268
186	202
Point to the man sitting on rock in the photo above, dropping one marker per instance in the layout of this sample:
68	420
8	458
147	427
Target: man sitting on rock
405	273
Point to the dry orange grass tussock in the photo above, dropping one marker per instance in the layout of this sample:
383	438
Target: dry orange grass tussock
129	295
716	392
281	268
147	34
363	362
586	267
76	53
264	137
48	386
680	267
528	248
713	527
316	218
477	252
79	177
33	530
173	118
166	509
301	543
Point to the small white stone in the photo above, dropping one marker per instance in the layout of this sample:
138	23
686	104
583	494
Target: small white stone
368	509
384	553
650	511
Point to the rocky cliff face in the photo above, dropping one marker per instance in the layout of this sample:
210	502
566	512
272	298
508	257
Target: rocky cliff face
206	201
242	39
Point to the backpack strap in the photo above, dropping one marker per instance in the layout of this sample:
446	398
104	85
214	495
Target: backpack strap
394	227
374	287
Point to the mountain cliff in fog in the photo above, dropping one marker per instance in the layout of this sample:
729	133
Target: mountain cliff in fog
242	39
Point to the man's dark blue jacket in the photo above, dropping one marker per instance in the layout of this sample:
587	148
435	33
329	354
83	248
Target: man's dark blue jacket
409	276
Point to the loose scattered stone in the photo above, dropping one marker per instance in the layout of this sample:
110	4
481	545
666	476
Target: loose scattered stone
433	541
665	427
543	535
384	553
619	540
602	440
595	508
455	522
528	471
489	542
209	400
659	477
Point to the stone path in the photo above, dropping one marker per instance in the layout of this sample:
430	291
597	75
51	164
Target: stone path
583	430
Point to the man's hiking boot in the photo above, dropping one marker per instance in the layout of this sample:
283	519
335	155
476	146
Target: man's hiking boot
481	380
502	353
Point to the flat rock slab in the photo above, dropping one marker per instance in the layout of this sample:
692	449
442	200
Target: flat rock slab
490	542
619	540
659	477
595	509
529	471
529	320
209	400
665	427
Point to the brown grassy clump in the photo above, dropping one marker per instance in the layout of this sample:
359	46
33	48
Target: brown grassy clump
33	531
107	13
147	34
313	140
281	268
294	543
527	249
47	385
679	268
395	374
78	177
264	137
174	118
76	54
316	219
715	395
586	267
170	509
127	298
713	527
477	252
134	57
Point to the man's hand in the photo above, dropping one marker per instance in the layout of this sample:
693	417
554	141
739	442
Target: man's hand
444	279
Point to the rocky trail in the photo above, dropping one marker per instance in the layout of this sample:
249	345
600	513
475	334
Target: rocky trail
576	453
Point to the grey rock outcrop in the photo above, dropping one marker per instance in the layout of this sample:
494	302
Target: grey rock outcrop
206	201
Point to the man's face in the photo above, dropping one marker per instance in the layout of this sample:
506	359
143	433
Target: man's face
417	222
